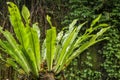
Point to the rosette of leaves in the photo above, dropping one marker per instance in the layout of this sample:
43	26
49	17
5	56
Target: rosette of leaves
44	61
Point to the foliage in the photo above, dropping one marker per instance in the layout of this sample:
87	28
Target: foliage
111	55
58	50
87	10
85	69
26	51
82	10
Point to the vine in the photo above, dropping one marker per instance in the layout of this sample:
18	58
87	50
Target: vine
111	55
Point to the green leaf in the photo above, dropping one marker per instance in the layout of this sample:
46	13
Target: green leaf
87	44
26	49
36	36
26	14
50	46
33	50
72	25
64	49
49	20
70	47
12	63
36	28
16	21
12	48
43	55
95	21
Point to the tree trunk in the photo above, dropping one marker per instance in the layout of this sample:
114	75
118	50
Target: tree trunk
47	76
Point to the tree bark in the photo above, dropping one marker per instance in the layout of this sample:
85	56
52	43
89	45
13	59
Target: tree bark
47	76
